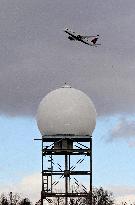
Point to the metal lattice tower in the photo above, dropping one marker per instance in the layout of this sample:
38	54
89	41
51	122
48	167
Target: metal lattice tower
64	146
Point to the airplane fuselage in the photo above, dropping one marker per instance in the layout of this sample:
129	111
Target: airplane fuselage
74	36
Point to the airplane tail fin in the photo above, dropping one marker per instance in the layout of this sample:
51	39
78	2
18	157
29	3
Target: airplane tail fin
94	40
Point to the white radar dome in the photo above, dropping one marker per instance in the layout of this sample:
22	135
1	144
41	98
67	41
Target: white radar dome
66	111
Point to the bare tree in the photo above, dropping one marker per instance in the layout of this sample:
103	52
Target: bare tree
13	199
3	200
102	197
25	201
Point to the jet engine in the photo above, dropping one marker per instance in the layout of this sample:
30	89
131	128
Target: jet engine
71	38
79	37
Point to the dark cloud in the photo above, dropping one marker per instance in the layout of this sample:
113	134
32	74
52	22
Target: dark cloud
36	56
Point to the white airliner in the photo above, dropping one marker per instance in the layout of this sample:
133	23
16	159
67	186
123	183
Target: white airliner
89	40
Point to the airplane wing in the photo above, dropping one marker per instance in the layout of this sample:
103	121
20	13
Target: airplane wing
89	36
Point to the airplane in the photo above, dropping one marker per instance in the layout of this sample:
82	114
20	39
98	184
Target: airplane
89	40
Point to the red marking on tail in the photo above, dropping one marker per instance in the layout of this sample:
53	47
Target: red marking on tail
94	40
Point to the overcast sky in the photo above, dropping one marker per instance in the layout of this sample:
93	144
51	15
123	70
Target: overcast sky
36	57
